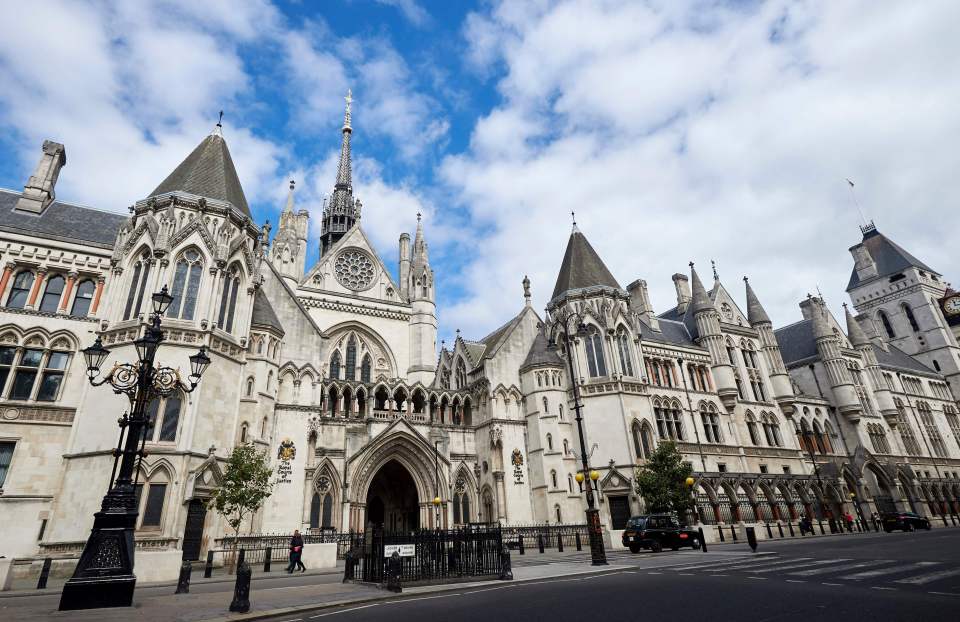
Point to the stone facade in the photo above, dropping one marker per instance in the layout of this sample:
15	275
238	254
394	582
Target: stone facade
333	370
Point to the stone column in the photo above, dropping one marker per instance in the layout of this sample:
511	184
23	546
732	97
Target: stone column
37	284
501	496
65	298
96	295
5	279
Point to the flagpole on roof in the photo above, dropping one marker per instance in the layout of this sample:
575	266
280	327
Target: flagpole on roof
853	194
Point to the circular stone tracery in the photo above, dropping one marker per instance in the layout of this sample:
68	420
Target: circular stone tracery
354	269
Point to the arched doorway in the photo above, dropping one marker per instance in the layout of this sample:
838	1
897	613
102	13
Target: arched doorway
392	500
880	489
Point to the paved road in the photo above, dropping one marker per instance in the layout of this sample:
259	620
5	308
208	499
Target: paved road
868	577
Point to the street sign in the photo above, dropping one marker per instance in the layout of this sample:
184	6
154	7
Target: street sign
404	550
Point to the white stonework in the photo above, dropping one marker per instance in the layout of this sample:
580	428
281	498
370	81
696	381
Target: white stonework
333	370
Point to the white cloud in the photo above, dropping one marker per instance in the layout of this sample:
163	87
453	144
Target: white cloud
411	10
695	131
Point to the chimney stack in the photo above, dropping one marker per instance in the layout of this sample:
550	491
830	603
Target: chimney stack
682	284
38	194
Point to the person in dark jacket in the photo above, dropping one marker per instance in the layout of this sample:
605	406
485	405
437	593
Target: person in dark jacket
296	552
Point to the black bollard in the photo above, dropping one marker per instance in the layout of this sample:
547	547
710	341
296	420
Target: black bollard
266	559
752	539
183	582
703	541
790	526
521	545
44	574
579	544
733	532
241	589
208	568
540	542
780	529
820	522
769	533
506	570
560	543
720	533
393	573
348	566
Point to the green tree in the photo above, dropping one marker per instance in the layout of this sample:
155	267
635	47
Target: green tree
662	481
244	487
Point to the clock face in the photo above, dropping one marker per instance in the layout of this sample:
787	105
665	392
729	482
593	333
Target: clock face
952	305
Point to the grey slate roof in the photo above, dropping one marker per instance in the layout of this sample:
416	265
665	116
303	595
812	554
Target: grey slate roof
797	342
582	267
207	172
671	332
673	315
61	221
263	313
889	257
896	358
541	353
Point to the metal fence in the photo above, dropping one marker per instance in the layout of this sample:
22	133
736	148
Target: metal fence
279	543
552	535
437	555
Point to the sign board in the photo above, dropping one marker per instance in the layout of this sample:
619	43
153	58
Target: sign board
405	550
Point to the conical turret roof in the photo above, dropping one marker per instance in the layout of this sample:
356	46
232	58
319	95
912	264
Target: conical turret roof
699	299
208	172
755	311
854	332
582	267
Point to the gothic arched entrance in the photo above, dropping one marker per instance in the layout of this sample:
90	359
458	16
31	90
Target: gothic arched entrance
392	500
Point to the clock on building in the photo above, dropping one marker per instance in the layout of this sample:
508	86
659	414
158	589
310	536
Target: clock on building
950	305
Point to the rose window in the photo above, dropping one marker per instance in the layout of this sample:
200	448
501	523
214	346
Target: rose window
355	269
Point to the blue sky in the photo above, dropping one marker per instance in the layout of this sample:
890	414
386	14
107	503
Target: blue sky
678	131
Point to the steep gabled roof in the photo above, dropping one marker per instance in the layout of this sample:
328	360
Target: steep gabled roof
263	314
207	172
582	267
541	353
797	342
889	257
61	221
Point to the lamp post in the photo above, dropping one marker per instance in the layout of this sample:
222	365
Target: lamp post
476	474
696	512
807	434
597	553
104	574
436	475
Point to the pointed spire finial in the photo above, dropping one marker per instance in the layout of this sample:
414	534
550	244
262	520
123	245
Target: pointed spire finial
573	217
292	184
419	216
289	206
218	128
220	120
713	264
347	111
526	289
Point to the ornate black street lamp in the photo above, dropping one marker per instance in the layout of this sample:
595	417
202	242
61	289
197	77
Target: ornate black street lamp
594	529
104	575
808	441
476	473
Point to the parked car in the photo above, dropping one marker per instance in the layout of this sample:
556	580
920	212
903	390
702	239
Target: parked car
905	521
656	531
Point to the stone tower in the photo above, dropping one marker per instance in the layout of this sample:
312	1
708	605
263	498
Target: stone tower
417	278
290	244
342	211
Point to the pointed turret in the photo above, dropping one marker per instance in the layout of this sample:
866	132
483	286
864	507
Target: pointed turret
421	257
706	321
208	172
854	332
289	249
423	317
881	392
755	311
828	346
779	378
582	268
341	211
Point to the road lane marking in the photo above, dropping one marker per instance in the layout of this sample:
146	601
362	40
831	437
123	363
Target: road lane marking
832	584
491	589
333	613
795	581
803	565
930	577
719	575
944	593
654	573
759	578
763	564
892	589
409	600
730	562
882	571
859	564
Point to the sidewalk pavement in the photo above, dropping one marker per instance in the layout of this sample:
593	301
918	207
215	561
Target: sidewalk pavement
270	597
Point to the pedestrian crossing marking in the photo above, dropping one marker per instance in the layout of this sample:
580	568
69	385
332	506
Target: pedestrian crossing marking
801	565
769	563
884	571
858	564
729	562
930	577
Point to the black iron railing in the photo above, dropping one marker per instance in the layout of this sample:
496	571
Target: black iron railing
550	534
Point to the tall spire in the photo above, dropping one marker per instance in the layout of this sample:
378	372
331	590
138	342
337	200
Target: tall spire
699	300
342	211
289	206
854	332
420	256
755	311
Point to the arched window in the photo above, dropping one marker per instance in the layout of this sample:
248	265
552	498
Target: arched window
20	290
315	505
907	311
335	365
569	483
637	440
560	411
250	385
350	373
83	299
775	430
461	374
596	364
52	293
365	369
33	370
549	442
752	429
269	380
456	508
767	433
553	478
669	424
566	447
244	429
186	285
138	285
151	499
711	423
887	327
556	510
263	427
228	301
163	419
623	346
546	406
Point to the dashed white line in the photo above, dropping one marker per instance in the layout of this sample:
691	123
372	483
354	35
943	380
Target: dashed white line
832	584
758	578
654	573
892	589
795	581
409	600
944	593
882	571
333	613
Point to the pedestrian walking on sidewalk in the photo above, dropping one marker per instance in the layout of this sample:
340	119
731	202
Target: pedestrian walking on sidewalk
296	553
849	519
